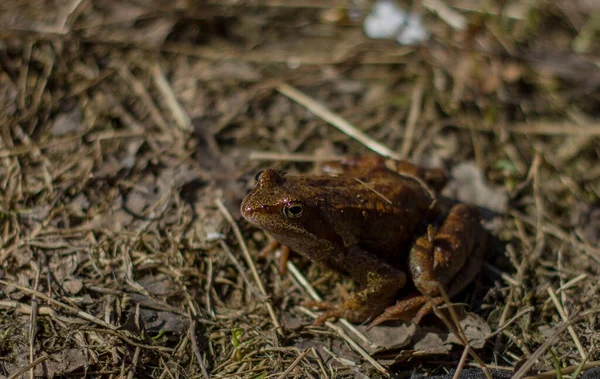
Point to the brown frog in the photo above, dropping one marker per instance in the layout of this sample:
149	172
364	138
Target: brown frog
374	220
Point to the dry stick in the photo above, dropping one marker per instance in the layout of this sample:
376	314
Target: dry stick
546	345
134	363
413	117
568	285
513	319
294	364
445	13
350	341
249	261
182	119
33	318
240	269
140	90
565	318
336	120
196	349
565	371
269	156
29	366
461	363
82	314
296	274
319	362
460	333
590	250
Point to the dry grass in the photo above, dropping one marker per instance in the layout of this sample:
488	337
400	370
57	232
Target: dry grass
131	130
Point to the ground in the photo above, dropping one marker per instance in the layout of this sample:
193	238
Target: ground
131	130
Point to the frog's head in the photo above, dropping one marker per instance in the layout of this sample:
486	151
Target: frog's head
285	207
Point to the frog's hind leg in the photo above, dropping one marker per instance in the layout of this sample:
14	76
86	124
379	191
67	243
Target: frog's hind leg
451	257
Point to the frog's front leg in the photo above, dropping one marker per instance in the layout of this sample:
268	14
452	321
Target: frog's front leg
452	257
379	280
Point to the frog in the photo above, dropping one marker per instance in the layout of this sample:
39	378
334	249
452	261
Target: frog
381	222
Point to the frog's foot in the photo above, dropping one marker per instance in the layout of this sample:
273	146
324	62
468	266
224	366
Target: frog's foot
331	310
285	254
351	310
395	312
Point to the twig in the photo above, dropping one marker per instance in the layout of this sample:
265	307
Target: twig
457	329
350	341
565	318
294	364
241	271
249	261
461	363
33	319
319	362
513	319
29	366
197	349
134	363
565	370
525	367
182	119
413	117
82	314
140	90
268	156
450	17
336	120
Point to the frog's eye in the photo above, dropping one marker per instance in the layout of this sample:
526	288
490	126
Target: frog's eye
293	210
257	176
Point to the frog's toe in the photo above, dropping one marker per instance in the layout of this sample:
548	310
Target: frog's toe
400	309
320	305
333	313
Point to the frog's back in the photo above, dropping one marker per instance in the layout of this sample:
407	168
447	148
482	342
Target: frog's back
377	212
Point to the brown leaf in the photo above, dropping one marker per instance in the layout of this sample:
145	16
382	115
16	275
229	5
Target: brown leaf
432	344
476	331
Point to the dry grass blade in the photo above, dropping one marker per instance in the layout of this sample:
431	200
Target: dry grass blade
565	318
268	156
548	343
179	114
413	117
249	261
356	347
336	120
31	365
79	313
197	349
457	329
565	371
294	364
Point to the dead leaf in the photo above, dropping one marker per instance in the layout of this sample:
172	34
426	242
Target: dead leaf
161	321
389	337
476	331
73	286
432	344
